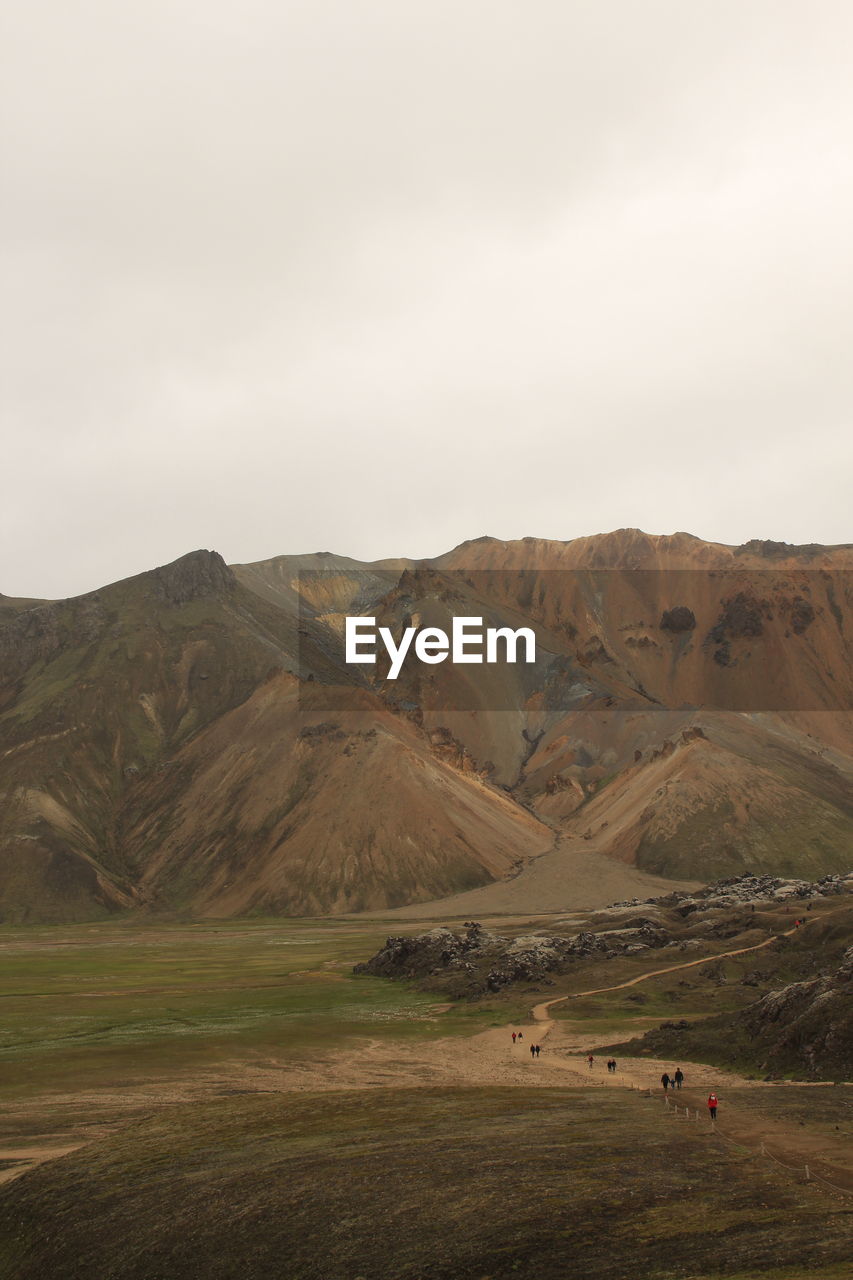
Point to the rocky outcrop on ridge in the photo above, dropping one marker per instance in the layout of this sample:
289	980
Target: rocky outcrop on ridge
478	962
38	634
807	1027
192	577
747	889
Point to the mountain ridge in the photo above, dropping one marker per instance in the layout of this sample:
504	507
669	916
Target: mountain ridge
190	739
621	541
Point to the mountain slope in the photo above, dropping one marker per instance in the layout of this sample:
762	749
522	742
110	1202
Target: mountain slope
191	739
99	690
276	809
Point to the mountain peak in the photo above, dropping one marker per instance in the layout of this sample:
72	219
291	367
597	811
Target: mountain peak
194	575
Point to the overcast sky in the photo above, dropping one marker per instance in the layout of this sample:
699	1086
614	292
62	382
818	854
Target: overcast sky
375	276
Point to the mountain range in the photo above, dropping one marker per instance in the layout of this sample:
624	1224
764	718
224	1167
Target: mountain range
191	740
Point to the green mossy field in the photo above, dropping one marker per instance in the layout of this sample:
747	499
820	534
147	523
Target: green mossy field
83	1006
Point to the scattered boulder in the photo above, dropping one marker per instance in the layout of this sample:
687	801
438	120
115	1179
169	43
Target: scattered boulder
747	889
742	616
678	620
802	615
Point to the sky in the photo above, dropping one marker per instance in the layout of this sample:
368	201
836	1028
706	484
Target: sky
377	276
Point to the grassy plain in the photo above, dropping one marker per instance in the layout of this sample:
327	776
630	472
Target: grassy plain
100	1005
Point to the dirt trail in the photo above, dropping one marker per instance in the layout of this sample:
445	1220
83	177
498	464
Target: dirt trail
540	1010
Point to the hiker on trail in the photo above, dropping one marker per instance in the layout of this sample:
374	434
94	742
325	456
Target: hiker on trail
520	1036
513	1037
665	1081
590	1060
538	1050
533	1051
613	1065
678	1077
712	1105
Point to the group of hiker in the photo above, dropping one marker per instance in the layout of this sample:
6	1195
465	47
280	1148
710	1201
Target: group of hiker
611	1062
673	1081
535	1049
676	1080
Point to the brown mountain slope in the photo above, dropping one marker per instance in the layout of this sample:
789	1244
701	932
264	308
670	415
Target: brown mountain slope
731	638
658	787
100	690
161	740
277	808
677	793
701	804
150	746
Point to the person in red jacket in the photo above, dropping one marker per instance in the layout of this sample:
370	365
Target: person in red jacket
712	1105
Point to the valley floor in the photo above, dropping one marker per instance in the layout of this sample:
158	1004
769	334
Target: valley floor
487	1058
765	1137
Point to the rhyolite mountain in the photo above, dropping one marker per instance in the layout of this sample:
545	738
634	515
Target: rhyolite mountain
191	739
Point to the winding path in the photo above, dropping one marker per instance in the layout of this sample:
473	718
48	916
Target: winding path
540	1011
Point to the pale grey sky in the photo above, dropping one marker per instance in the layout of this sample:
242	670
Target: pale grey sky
375	276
